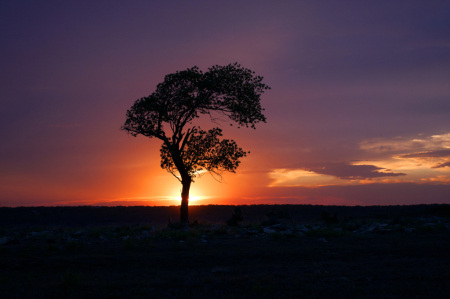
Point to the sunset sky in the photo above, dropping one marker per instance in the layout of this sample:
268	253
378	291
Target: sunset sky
358	113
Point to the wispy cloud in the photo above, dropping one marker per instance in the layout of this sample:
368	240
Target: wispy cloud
348	171
441	165
423	159
329	173
428	154
408	145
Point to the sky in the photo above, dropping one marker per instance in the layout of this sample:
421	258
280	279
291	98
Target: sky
358	112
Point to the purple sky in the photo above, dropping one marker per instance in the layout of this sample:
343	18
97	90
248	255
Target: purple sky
358	113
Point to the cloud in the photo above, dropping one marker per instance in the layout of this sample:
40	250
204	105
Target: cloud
348	171
428	154
441	165
328	173
370	194
402	144
411	153
437	158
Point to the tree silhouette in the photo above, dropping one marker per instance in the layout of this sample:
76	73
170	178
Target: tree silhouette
168	114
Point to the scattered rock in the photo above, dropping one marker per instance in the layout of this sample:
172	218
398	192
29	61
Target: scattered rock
269	231
36	234
434	219
78	233
279	226
271	221
286	232
303	229
429	224
374	227
322	240
3	240
338	229
125	237
203	241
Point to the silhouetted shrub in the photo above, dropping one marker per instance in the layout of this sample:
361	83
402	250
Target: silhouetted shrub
328	218
175	225
194	224
235	217
279	214
271	213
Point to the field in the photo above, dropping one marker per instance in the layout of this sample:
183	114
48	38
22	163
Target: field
298	251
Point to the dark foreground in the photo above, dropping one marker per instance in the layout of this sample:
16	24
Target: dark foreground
375	256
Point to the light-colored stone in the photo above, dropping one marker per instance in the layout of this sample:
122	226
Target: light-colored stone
279	226
36	234
3	240
269	231
374	227
322	240
303	229
286	232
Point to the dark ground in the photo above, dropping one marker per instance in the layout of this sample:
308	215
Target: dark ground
87	252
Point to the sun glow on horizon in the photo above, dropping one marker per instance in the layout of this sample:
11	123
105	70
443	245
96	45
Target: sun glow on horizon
191	198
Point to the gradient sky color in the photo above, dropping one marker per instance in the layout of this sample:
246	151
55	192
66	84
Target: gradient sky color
358	113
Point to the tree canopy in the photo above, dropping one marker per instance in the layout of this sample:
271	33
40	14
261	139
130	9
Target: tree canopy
223	91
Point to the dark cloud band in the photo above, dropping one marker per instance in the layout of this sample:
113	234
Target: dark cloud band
347	171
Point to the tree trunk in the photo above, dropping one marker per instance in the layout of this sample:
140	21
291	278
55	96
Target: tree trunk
184	215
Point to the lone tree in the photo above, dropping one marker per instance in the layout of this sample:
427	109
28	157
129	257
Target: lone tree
168	113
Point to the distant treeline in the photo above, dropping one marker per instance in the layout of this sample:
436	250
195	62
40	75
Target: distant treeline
79	216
